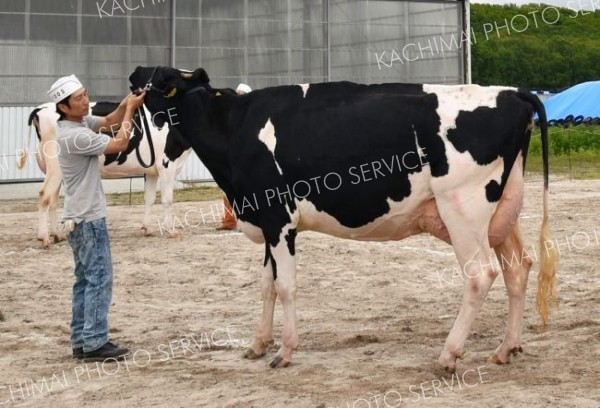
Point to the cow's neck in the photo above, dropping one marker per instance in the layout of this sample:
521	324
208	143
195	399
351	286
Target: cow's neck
210	138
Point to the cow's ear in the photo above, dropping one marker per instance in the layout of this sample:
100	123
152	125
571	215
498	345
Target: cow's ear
200	75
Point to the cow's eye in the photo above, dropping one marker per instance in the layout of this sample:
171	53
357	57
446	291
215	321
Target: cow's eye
171	93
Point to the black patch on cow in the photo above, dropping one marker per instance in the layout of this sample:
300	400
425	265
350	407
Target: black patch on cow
32	116
504	128
104	108
175	145
291	241
354	146
134	142
269	258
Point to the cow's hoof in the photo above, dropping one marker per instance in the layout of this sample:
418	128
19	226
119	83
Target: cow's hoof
279	362
175	233
450	369
58	238
146	232
495	359
252	355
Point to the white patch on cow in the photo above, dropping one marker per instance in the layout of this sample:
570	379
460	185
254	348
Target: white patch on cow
267	136
251	231
420	151
304	89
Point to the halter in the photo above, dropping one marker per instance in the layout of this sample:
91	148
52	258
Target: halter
149	86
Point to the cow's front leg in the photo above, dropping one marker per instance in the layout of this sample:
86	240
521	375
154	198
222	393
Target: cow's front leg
283	257
43	223
149	198
55	232
48	203
264	331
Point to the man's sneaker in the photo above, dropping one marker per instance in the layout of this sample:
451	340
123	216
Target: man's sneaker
107	351
78	353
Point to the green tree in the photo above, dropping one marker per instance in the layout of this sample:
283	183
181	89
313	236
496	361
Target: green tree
531	52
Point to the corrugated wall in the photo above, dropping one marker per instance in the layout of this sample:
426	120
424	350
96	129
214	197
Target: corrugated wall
14	137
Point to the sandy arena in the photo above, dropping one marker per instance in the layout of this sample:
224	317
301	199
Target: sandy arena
372	319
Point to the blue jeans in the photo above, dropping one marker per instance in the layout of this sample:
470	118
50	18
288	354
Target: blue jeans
92	291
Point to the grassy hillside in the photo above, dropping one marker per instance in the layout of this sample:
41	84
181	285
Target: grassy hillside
543	47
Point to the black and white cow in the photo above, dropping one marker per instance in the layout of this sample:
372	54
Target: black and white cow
369	162
170	150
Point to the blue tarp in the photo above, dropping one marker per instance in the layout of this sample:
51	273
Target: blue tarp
579	100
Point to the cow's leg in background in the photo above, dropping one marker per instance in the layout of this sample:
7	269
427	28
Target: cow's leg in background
150	182
55	232
264	331
167	178
467	214
515	269
47	158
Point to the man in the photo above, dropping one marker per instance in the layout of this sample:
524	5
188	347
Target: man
228	221
84	212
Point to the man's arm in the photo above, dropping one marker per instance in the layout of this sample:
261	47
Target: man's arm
110	122
121	140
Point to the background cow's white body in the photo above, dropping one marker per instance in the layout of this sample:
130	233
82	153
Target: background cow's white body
47	159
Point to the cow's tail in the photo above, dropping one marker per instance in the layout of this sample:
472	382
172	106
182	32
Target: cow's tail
22	158
546	287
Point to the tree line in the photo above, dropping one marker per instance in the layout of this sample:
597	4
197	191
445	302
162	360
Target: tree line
534	46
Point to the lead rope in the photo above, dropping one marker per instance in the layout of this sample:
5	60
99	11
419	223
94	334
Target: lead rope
142	114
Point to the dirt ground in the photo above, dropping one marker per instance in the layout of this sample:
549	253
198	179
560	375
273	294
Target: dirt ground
372	319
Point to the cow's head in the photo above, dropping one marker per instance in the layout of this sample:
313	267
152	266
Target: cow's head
166	86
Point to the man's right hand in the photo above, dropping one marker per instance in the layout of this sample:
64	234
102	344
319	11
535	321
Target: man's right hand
134	100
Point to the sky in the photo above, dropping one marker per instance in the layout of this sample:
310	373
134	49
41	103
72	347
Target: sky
572	4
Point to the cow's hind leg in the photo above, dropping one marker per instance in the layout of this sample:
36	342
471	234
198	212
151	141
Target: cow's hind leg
516	264
264	331
467	215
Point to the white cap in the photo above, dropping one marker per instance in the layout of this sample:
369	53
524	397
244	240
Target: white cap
63	88
243	88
